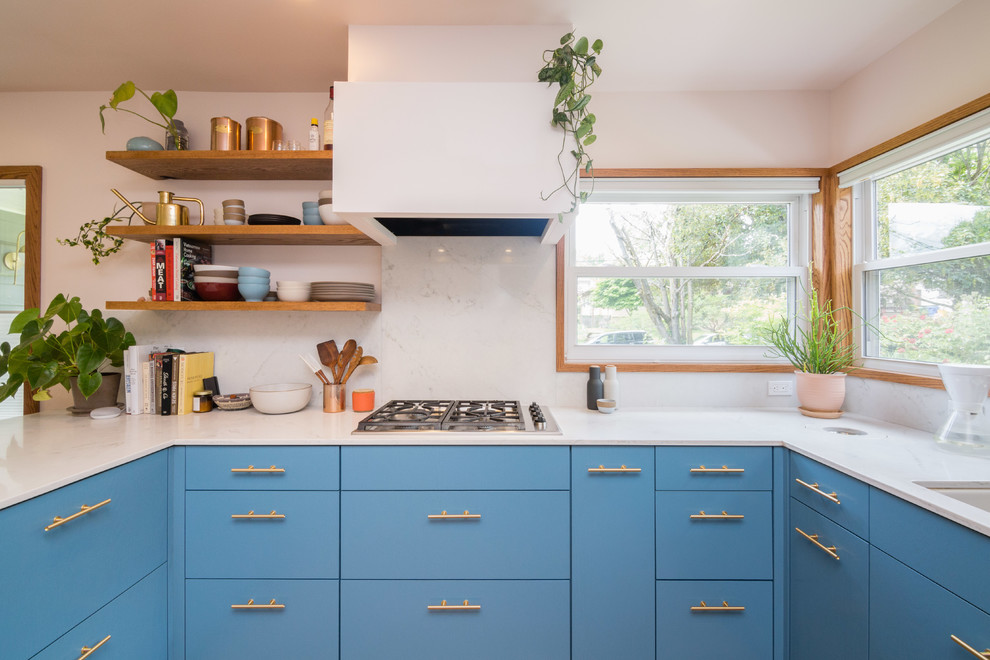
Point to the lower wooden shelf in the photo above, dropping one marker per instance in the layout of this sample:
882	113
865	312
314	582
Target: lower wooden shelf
242	306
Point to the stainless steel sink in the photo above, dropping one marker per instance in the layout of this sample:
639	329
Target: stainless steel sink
975	493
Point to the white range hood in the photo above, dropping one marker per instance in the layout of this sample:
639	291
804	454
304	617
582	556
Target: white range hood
448	158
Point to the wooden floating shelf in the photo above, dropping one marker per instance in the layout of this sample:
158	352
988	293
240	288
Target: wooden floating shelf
249	234
242	306
228	165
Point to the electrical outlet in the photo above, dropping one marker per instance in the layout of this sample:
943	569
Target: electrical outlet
780	388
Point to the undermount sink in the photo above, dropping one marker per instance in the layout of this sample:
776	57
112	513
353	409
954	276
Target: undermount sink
974	493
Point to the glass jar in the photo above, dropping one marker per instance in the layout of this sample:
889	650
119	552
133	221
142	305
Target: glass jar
202	401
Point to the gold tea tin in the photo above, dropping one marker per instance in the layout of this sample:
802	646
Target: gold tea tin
225	134
261	132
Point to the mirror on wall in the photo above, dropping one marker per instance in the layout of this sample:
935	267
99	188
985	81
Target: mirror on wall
20	259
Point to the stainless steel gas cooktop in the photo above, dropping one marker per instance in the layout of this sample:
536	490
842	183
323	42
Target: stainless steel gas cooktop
459	416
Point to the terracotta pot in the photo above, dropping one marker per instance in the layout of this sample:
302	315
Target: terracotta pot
820	392
103	397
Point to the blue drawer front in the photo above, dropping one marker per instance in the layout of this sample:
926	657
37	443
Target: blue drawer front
683	634
305	468
520	535
716	549
896	629
714	468
613	594
935	546
53	580
386	620
135	621
306	628
852	510
829	598
304	544
455	468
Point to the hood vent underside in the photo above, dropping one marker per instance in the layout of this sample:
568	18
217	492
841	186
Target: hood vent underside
465	226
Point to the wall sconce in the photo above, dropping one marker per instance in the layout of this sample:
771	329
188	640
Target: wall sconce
12	260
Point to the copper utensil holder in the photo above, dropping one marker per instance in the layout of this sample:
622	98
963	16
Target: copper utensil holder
225	134
334	397
261	132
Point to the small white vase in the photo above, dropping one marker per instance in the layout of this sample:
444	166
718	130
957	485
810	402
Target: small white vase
821	393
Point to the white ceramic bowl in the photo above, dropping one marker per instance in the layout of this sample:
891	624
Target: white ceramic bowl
215	279
329	217
293	295
281	398
204	268
292	283
606	406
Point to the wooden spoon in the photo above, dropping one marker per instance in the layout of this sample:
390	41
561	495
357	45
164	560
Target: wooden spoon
328	353
366	359
346	353
355	361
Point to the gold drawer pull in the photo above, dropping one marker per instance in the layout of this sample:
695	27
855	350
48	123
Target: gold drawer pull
88	650
724	607
83	510
985	655
601	469
716	516
828	496
253	470
444	607
725	469
443	515
251	515
250	605
814	539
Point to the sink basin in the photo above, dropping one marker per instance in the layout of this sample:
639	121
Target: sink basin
973	493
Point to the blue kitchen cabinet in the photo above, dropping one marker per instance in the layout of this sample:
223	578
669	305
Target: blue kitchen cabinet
831	493
613	599
828	588
714	468
130	626
54	575
262	468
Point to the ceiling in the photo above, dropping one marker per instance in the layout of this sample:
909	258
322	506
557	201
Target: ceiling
301	45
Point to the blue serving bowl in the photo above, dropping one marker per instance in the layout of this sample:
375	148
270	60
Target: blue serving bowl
253	272
312	219
310	205
251	291
247	279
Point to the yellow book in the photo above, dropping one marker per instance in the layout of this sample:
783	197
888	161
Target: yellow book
193	369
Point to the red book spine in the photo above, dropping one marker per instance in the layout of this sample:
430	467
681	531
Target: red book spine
169	271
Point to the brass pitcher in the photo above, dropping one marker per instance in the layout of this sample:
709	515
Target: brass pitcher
168	213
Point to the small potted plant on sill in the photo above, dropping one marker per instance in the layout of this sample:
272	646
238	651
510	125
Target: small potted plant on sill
821	354
72	358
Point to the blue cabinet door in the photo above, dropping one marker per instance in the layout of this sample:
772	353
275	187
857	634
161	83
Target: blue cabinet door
131	626
714	468
613	586
912	617
829	597
262	468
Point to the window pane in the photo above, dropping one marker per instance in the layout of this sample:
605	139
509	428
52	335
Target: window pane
942	203
693	234
937	312
701	312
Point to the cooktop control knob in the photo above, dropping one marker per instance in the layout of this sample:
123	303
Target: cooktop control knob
539	421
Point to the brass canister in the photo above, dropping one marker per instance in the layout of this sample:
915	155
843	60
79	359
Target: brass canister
261	132
225	134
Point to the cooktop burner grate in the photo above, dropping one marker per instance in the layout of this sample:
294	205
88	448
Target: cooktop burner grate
449	415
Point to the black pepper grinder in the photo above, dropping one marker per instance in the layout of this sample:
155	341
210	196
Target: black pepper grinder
595	387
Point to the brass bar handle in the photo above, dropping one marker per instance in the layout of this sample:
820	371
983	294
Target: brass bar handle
701	515
251	605
985	654
601	469
251	515
88	650
443	515
724	607
828	496
444	607
725	469
814	539
83	510
253	470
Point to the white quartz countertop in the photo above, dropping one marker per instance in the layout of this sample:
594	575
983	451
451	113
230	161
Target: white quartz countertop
40	453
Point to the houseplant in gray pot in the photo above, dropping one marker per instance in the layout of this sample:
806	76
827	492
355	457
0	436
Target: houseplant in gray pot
72	357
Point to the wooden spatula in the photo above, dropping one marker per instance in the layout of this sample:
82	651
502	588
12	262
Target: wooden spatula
327	350
353	364
346	353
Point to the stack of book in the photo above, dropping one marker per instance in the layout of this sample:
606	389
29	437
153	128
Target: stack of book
162	381
172	261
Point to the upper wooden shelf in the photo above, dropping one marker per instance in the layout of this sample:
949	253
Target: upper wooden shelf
249	234
228	165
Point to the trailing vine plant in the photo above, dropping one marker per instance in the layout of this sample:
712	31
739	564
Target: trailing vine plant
574	67
93	236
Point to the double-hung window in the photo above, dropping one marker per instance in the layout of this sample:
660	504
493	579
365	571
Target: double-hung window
684	270
922	249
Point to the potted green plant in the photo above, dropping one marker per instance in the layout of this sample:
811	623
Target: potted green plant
574	67
166	103
93	236
821	351
71	358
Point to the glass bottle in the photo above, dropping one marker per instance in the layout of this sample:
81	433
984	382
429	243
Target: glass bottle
314	135
328	124
595	387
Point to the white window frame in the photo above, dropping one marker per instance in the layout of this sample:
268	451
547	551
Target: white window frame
795	191
965	132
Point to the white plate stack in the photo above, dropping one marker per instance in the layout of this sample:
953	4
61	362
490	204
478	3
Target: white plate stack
342	292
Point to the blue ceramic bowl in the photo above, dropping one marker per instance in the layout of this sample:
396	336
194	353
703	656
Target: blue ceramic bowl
144	144
247	279
310	205
252	292
253	272
312	219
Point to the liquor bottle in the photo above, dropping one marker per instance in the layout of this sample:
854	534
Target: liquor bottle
314	135
328	124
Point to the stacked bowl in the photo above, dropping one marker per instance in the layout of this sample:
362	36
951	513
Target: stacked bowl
293	291
215	282
326	209
253	283
311	213
234	212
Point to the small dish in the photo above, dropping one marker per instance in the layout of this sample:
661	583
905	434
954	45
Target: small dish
232	401
606	406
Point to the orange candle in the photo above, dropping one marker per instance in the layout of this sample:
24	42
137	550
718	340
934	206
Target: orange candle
363	400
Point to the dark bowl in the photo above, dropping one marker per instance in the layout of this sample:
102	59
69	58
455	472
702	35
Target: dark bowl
217	291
